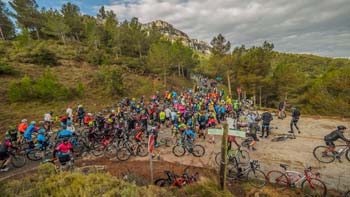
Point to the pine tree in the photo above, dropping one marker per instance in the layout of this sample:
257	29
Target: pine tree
219	45
72	18
7	28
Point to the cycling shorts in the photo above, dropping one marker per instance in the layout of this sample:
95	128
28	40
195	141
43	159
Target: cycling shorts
330	143
4	155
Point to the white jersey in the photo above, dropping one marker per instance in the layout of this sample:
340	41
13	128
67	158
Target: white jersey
69	112
47	117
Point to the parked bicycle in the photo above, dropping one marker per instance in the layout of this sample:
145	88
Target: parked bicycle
252	174
310	183
181	148
322	154
283	137
242	156
174	180
129	149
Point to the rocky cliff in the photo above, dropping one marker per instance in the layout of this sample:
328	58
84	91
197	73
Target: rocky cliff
173	34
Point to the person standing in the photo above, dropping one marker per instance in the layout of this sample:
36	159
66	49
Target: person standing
69	112
81	115
266	118
295	119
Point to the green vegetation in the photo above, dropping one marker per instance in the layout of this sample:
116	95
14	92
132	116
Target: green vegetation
316	85
44	88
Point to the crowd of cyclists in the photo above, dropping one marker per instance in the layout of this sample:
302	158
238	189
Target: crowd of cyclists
188	114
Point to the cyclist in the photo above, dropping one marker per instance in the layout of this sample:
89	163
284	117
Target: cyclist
295	119
13	134
64	150
87	119
231	139
70	126
22	128
42	143
188	135
28	133
48	120
64	133
334	136
4	152
266	118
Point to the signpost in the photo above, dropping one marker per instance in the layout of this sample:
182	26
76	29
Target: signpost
150	151
223	158
232	132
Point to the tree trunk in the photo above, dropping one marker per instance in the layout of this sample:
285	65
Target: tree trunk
140	54
229	85
182	72
37	33
2	34
179	68
63	39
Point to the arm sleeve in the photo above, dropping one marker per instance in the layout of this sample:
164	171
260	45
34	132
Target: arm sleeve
343	137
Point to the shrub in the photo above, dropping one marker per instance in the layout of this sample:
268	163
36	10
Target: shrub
6	69
44	88
111	78
43	56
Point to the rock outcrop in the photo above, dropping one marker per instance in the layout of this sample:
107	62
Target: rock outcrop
173	34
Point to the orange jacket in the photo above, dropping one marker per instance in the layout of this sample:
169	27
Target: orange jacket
22	127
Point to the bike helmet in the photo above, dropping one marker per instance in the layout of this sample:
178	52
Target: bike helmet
341	127
91	123
33	122
24	121
69	123
41	131
110	120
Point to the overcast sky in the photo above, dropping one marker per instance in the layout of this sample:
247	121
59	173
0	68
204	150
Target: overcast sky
320	27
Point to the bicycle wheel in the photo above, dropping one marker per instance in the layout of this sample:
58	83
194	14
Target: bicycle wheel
246	142
98	149
321	155
162	183
179	151
123	154
198	150
243	157
110	151
18	160
256	178
142	150
218	158
314	188
232	168
347	155
34	155
278	179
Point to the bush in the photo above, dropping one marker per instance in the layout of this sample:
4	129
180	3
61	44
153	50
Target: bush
43	56
111	79
45	88
6	69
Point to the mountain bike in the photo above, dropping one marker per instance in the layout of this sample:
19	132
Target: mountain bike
128	149
176	180
18	159
165	141
321	154
180	149
310	182
242	156
252	174
281	115
283	137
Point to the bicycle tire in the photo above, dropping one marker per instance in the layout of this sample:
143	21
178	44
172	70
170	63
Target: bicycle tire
198	150
110	151
179	151
347	155
318	151
123	154
162	183
232	169
98	149
309	191
278	179
18	160
256	178
34	155
218	158
142	150
246	142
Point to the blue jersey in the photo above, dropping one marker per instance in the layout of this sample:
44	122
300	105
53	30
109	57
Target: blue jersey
29	131
41	137
65	133
189	133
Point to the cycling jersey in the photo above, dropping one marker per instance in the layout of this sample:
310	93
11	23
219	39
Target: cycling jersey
22	127
65	133
189	134
64	148
335	135
29	131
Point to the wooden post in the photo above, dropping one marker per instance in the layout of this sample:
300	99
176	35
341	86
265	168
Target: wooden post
151	166
223	158
229	85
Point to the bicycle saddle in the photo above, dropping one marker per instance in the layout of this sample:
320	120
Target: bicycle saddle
284	166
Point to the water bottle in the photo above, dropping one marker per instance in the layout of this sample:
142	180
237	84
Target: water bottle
339	151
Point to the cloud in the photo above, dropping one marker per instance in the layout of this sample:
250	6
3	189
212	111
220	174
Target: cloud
314	26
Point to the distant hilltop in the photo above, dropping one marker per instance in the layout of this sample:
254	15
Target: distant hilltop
173	34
